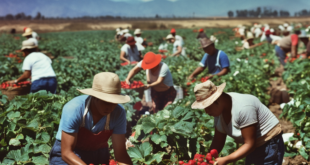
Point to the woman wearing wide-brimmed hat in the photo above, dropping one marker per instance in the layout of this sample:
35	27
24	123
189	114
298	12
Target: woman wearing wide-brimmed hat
37	66
244	118
131	51
159	79
87	123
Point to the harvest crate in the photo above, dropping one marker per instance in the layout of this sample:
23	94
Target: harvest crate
11	92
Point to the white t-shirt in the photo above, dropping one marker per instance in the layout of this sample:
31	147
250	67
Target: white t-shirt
131	55
39	65
34	40
180	39
164	72
246	110
139	40
34	35
257	32
163	46
176	44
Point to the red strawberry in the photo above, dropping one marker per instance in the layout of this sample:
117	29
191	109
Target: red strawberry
188	84
209	157
191	162
214	153
200	160
204	163
212	162
181	162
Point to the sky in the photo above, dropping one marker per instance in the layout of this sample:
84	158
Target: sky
143	8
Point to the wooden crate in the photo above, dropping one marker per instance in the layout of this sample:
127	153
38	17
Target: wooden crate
11	92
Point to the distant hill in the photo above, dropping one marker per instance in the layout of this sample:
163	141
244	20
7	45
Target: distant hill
183	8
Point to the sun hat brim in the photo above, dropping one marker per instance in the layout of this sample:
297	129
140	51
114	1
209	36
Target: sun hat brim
28	47
207	102
27	34
153	64
111	98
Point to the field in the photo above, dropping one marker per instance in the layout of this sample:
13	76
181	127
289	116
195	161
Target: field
29	123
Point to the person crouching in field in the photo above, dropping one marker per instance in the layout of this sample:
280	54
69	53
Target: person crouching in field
37	66
177	46
244	118
31	35
159	79
88	121
130	52
216	60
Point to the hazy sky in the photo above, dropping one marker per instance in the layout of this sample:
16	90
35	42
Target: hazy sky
204	8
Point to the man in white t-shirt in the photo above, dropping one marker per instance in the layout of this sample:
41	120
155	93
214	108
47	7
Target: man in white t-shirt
131	51
177	37
37	66
139	39
31	35
244	118
177	46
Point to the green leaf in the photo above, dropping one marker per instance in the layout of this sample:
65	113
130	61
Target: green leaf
42	137
134	153
20	136
148	127
189	115
146	149
43	148
303	153
40	160
3	143
158	139
292	138
8	162
14	142
12	115
291	155
177	111
17	155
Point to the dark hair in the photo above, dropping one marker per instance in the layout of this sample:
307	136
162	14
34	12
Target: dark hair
31	50
297	32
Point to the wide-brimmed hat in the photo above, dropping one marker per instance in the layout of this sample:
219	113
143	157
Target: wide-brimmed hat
169	36
172	31
137	31
131	41
249	35
206	93
150	60
27	32
29	44
24	29
205	42
106	87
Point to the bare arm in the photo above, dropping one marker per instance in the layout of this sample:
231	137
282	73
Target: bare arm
122	57
68	142
218	141
132	73
196	72
159	80
223	72
249	136
24	76
178	52
121	155
140	55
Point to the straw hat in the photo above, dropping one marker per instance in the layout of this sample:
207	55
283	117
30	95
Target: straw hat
205	42
106	87
249	35
150	60
206	93
137	31
169	36
29	44
28	32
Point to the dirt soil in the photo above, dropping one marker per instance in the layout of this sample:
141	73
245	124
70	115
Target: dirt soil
78	25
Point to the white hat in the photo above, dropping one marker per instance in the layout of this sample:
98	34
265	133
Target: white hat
125	31
285	25
249	35
137	31
271	30
117	30
28	44
28	32
170	36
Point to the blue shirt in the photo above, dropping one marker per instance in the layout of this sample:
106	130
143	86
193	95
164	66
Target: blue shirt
210	62
72	118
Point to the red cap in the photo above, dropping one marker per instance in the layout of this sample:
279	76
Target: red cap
200	30
267	32
25	29
131	41
172	31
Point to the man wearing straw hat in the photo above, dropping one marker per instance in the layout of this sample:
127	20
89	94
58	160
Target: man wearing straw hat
131	52
177	46
88	121
37	66
244	118
159	79
216	60
31	35
138	38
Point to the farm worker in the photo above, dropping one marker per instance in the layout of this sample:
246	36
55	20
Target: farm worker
159	79
177	46
126	33
177	37
118	34
216	60
257	31
287	44
130	51
286	29
270	38
248	42
88	121
37	66
139	39
30	35
201	34
244	118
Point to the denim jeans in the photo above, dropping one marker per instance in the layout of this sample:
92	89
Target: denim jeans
47	83
271	153
281	54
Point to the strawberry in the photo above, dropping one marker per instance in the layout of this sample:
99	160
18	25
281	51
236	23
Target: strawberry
188	84
200	160
181	162
298	134
204	163
214	153
191	162
212	162
209	157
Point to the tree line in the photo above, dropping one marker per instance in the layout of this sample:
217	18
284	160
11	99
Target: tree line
258	12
